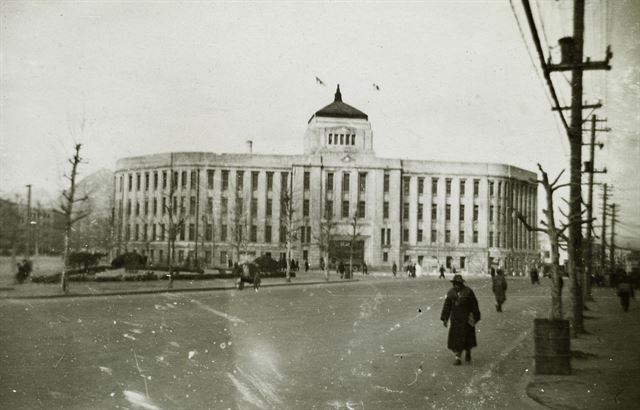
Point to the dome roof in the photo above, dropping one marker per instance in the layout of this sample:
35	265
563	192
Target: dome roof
338	109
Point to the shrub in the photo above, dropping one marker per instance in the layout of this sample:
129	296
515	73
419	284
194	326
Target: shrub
55	278
266	263
165	268
130	261
86	260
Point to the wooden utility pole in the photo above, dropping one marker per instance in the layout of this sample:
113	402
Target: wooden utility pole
590	169
575	189
197	213
604	231
612	246
28	224
572	60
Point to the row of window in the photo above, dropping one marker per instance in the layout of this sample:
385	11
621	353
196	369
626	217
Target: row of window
162	207
434	236
234	233
342	139
502	187
158	232
183	179
346	181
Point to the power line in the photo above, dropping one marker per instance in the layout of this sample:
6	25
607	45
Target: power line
543	64
526	45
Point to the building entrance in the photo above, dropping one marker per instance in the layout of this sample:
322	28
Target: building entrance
340	251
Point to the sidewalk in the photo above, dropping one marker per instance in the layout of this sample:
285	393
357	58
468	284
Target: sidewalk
605	362
29	290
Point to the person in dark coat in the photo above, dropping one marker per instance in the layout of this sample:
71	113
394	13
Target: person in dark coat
341	270
365	271
499	285
534	275
461	311
625	290
394	269
441	272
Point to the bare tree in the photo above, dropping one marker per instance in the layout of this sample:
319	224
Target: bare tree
11	233
71	217
288	224
352	242
238	230
557	240
176	220
325	240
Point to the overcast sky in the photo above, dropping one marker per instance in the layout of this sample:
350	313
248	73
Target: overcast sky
455	82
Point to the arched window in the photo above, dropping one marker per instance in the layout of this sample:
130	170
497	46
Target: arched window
330	138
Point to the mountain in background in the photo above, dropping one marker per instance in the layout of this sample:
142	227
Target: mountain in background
92	233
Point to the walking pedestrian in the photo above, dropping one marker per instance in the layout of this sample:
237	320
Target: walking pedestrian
534	275
499	285
365	271
306	266
625	290
394	269
341	270
461	311
441	272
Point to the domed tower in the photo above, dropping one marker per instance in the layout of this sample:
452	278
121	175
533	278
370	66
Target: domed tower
338	128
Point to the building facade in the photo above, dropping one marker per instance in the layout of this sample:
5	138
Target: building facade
236	206
43	233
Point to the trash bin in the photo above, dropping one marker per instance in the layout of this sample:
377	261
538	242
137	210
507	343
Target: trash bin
552	346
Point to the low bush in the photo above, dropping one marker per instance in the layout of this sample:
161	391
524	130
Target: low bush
84	260
191	276
129	261
165	268
55	278
140	277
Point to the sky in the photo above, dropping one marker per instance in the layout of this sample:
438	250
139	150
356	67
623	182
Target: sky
456	82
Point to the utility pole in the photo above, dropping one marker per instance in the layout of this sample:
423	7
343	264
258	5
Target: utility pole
575	142
612	246
197	215
604	230
572	60
589	168
28	223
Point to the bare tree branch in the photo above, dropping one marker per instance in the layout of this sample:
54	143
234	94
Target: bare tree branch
522	219
557	178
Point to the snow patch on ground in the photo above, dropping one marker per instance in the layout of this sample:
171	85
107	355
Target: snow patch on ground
139	400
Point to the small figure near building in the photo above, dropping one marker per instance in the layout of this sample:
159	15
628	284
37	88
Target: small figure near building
441	272
625	290
533	273
394	269
499	285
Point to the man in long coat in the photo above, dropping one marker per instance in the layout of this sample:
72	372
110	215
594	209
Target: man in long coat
499	289
461	310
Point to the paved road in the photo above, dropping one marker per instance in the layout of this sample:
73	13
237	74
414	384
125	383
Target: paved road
373	344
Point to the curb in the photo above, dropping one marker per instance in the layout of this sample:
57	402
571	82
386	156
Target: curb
176	290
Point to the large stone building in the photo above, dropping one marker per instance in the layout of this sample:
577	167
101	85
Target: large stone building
454	213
